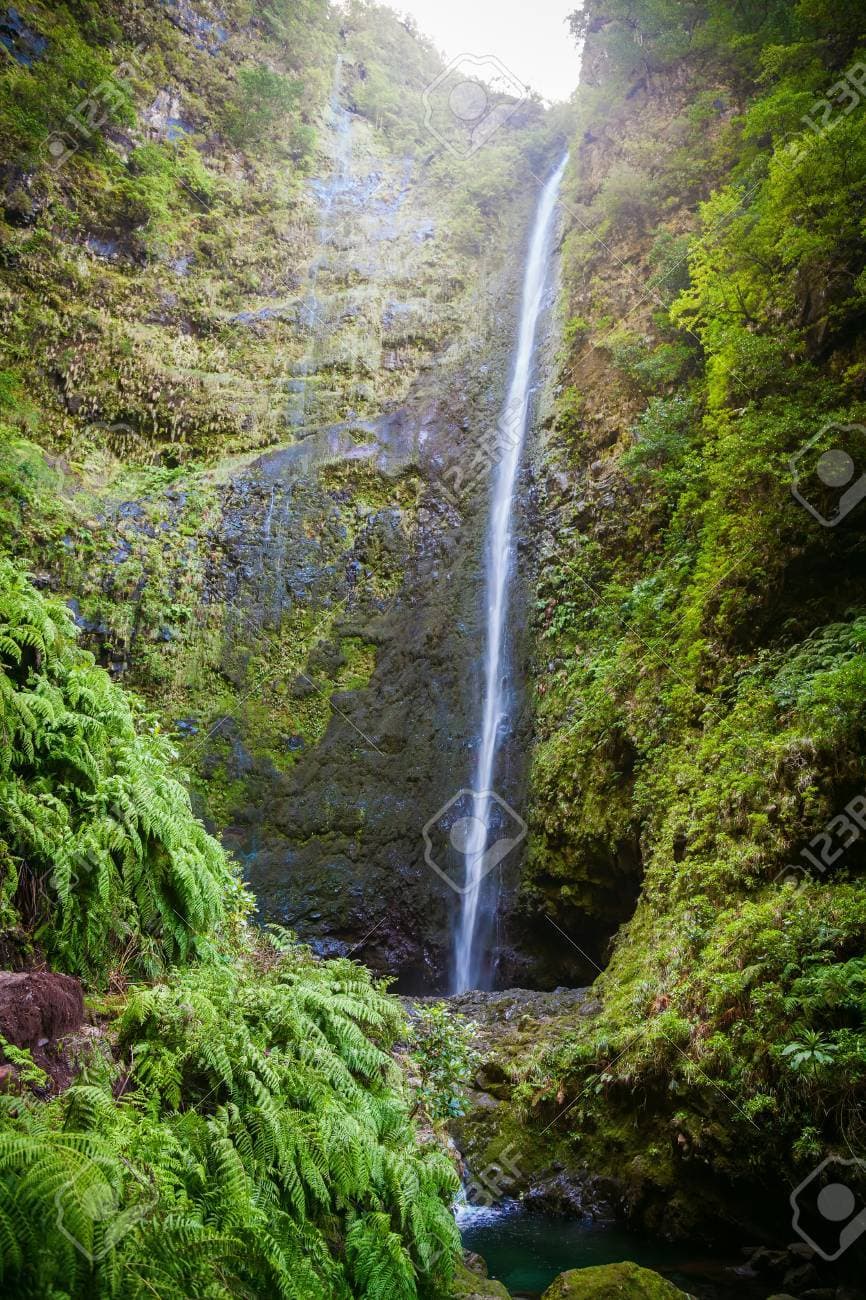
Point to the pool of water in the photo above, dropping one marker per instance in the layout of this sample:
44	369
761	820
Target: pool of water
526	1251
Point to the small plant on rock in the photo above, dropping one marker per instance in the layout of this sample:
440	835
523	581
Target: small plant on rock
443	1055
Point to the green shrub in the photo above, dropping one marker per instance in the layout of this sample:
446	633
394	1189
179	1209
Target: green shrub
263	98
441	1051
260	1145
105	859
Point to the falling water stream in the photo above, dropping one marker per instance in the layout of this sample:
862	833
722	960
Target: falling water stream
479	857
329	192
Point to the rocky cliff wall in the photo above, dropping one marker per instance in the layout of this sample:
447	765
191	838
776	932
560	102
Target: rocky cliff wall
259	328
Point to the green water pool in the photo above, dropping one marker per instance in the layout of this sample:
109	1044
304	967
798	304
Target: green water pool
526	1251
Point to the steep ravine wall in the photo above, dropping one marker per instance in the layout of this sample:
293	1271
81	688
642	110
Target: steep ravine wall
366	528
698	636
249	402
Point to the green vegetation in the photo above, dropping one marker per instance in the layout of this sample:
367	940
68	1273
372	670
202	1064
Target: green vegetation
238	1123
171	307
610	1281
443	1055
108	862
188	287
260	1146
264	97
706	704
244	1129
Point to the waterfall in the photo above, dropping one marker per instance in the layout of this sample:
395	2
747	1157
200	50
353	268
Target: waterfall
479	857
329	191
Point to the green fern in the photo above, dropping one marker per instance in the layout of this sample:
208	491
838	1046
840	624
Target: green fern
261	1142
101	835
236	1162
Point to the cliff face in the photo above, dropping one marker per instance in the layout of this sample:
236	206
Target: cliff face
258	321
699	663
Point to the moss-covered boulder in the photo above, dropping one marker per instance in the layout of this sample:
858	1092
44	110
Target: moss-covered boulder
612	1282
469	1285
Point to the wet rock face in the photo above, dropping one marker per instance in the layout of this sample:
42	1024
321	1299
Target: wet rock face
503	1149
312	625
302	601
342	579
375	703
472	1283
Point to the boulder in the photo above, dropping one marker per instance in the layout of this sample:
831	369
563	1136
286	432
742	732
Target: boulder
469	1285
768	1262
612	1282
801	1278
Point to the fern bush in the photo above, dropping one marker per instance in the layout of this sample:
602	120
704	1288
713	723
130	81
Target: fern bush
246	1132
260	1145
100	853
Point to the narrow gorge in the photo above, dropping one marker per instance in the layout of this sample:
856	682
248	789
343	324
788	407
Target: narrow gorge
432	650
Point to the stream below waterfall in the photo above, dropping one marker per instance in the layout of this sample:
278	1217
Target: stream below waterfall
526	1250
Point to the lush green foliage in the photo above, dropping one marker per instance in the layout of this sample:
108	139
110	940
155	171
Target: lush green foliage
442	1054
264	97
244	1131
260	1145
72	64
104	861
248	1134
702	712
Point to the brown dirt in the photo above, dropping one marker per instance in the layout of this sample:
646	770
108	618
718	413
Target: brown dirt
37	1008
38	1005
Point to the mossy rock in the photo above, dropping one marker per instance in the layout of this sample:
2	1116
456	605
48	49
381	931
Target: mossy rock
612	1282
468	1285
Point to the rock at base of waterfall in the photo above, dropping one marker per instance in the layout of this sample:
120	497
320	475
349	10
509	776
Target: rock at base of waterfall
612	1282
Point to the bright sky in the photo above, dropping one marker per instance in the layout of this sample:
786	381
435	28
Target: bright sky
528	37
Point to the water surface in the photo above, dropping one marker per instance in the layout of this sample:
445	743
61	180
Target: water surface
527	1250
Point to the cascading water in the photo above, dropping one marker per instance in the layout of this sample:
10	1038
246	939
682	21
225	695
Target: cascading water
329	191
512	431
